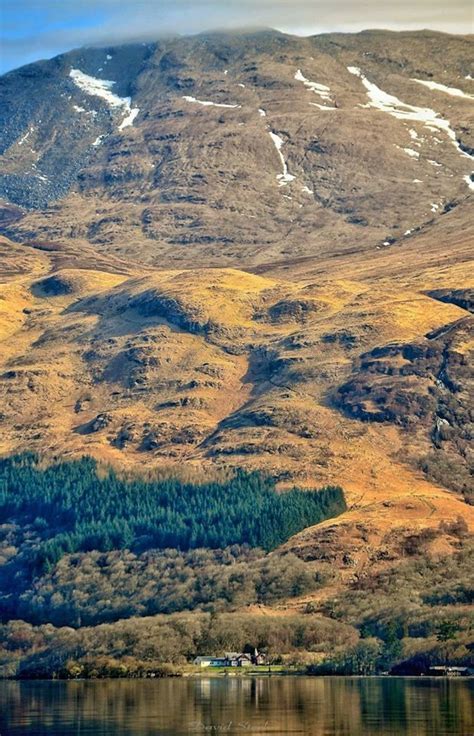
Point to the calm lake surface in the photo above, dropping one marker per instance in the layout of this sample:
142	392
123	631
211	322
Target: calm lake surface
317	706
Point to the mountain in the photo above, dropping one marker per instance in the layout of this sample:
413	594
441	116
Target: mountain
242	149
248	252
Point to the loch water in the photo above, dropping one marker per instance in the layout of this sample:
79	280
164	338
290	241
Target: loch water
260	706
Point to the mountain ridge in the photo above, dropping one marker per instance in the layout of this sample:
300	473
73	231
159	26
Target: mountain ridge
147	165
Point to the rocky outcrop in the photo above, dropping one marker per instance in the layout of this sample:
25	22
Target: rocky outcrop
463	298
426	387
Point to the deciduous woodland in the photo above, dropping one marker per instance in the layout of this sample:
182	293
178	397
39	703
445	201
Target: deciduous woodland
405	620
104	575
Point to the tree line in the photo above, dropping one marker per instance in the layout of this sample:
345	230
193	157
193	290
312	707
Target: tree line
71	507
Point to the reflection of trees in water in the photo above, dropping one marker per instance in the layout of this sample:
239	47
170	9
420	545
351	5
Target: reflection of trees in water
316	706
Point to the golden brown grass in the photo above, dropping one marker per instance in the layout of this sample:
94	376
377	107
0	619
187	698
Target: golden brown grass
253	391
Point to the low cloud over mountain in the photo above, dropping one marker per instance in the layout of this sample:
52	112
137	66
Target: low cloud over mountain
41	28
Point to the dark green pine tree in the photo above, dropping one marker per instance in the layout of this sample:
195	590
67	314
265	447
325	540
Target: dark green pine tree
72	508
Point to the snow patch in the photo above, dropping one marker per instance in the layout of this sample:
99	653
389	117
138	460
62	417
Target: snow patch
453	91
284	178
403	111
412	153
98	140
108	57
102	88
98	88
77	108
126	122
434	207
24	138
207	103
307	190
322	107
321	90
434	163
417	181
262	113
469	179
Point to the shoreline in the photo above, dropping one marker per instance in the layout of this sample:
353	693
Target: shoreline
240	675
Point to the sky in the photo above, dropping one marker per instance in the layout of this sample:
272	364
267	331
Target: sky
38	29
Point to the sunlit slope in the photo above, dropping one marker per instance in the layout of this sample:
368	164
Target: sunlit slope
206	369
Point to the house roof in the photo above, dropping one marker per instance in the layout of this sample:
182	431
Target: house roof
237	655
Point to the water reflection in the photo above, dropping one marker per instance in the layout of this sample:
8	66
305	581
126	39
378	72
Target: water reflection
258	706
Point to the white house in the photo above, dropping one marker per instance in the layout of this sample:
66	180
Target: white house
231	659
210	662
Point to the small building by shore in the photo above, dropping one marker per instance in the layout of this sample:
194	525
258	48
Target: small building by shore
232	659
210	662
448	671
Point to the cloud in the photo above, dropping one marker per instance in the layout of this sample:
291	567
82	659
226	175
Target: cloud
42	28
